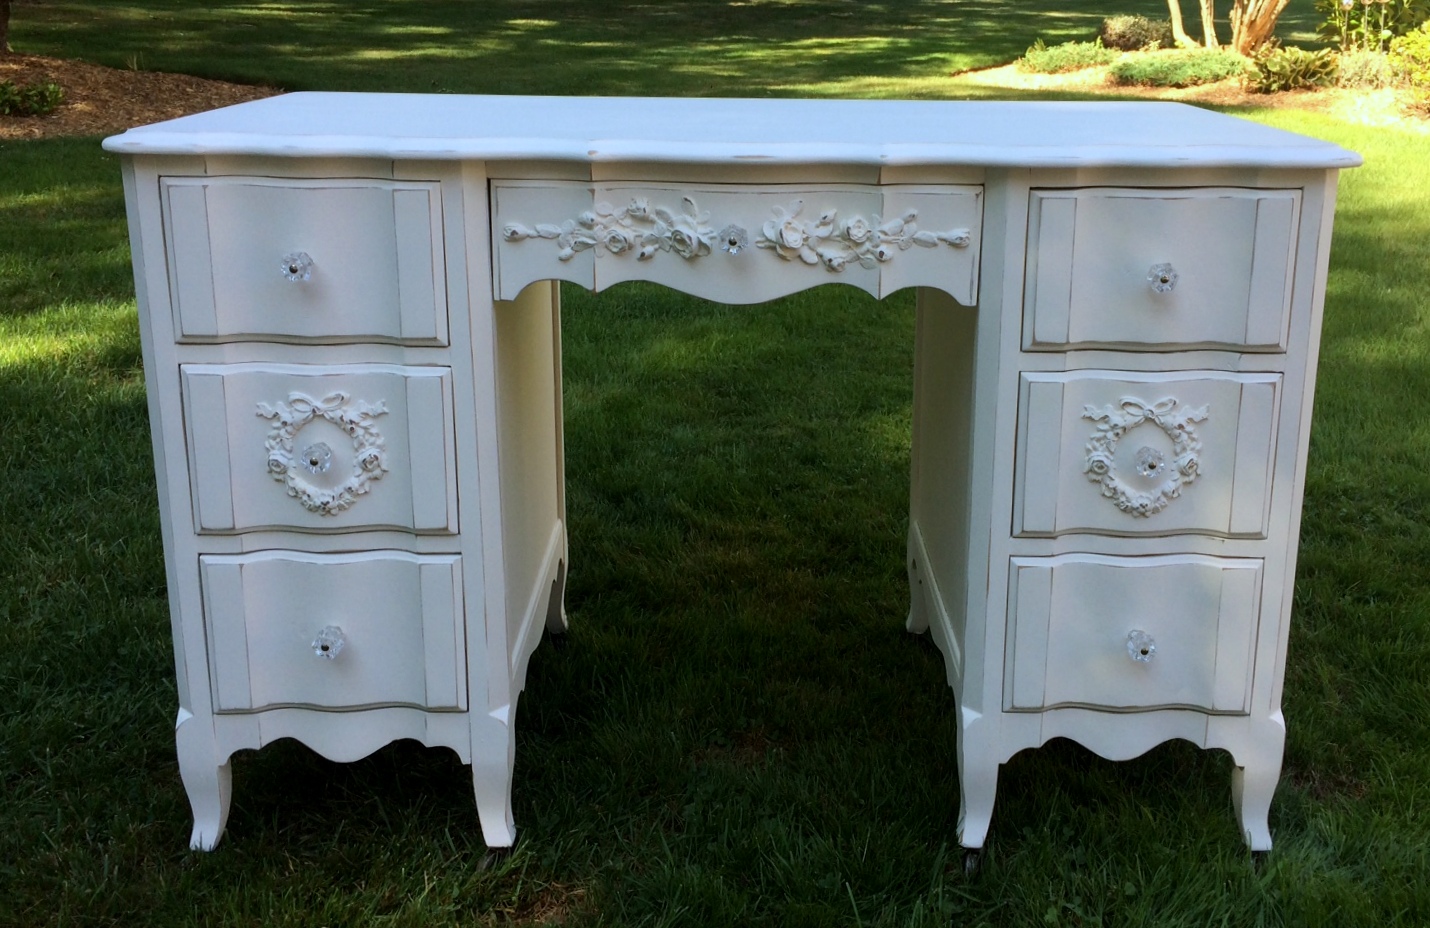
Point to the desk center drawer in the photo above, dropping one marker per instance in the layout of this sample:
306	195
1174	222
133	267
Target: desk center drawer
735	243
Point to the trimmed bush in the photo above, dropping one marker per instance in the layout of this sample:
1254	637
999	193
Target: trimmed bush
1134	33
29	99
1179	68
1410	60
1370	70
1069	56
1291	68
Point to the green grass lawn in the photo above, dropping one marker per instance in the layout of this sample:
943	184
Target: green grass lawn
736	730
720	48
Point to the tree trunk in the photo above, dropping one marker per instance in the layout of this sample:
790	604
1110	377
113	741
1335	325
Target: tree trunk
1179	31
1209	25
4	27
1253	22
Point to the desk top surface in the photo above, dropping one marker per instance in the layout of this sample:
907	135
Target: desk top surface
730	131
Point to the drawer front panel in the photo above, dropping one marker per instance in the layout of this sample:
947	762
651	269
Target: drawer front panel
392	621
738	244
1226	254
341	448
1191	622
1121	453
325	260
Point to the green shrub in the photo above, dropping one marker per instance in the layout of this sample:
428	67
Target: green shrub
1368	26
1291	68
1069	56
1133	33
1179	68
1365	69
1410	59
29	99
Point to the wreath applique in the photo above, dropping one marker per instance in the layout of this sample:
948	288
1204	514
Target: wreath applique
287	466
1114	422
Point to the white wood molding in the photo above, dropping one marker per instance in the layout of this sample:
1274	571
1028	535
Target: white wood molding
1178	424
737	243
287	464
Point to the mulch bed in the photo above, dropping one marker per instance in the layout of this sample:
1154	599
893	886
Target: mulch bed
105	101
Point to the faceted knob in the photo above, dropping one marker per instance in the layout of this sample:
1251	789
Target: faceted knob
297	266
1140	646
329	642
317	458
1162	277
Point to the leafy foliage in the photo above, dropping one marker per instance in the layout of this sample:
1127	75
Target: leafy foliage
1370	70
1366	26
1291	68
1179	68
1410	58
1134	33
1069	56
29	99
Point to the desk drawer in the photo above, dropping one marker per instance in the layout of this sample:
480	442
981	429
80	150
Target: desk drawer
340	448
391	623
324	260
738	244
1122	453
1097	259
1131	632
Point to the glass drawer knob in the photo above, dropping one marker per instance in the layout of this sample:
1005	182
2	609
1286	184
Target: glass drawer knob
1162	277
297	266
1140	646
317	458
329	643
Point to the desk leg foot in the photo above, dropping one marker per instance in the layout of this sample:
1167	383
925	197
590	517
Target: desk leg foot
493	758
492	786
494	859
1254	778
556	606
208	780
977	787
1252	788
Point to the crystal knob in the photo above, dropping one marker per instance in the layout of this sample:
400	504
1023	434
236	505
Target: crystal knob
1140	646
297	266
317	458
1162	277
329	642
1150	462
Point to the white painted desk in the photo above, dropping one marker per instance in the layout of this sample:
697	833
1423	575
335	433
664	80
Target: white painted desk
352	351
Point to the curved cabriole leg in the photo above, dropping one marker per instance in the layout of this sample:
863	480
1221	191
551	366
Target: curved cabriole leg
977	787
493	757
556	606
207	779
1253	781
1252	788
